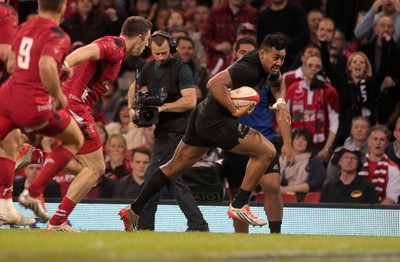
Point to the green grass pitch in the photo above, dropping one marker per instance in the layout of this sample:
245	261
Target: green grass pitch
37	245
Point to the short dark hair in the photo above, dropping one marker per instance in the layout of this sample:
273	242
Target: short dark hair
50	5
141	149
273	41
303	132
245	40
185	38
310	45
117	118
136	25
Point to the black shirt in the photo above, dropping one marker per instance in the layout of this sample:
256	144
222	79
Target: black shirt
359	191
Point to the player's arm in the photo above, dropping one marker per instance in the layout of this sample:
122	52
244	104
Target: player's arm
49	75
218	86
4	50
11	61
283	119
82	54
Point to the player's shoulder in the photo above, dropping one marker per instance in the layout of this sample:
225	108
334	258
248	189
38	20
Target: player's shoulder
111	40
6	8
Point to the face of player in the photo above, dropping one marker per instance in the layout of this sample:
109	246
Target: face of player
185	50
161	53
299	144
348	162
139	164
141	41
272	59
377	143
359	130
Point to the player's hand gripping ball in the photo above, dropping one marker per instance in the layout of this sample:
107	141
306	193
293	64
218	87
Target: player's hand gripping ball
245	96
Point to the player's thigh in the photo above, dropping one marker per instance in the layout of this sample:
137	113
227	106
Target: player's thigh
61	126
185	156
255	144
94	161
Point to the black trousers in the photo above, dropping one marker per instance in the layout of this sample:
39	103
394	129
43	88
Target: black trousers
164	149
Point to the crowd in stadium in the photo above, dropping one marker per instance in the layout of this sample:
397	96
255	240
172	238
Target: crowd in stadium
341	70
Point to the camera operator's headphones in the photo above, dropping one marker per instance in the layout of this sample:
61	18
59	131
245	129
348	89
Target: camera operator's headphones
171	41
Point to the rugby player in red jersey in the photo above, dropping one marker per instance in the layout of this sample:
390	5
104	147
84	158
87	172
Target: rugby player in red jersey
9	25
32	100
95	68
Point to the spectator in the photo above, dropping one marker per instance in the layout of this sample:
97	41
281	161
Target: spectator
357	90
123	125
288	19
161	19
199	19
241	47
118	163
314	105
308	173
339	40
130	186
143	8
86	26
177	31
314	16
52	189
326	32
148	137
176	18
246	30
379	8
389	94
393	150
186	52
219	33
357	140
382	172
113	9
297	73
348	187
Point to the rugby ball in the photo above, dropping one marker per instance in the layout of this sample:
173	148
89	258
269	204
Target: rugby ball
244	96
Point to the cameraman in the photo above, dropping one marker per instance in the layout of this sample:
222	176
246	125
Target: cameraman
170	80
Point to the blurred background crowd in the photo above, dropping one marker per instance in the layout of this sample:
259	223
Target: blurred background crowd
342	72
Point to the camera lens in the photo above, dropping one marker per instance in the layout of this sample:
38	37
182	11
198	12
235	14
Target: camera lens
148	114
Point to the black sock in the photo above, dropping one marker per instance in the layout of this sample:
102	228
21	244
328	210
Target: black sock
275	227
157	181
242	198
